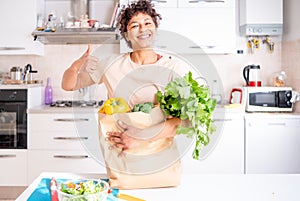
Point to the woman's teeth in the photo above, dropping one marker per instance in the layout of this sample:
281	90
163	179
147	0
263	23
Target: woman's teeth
144	36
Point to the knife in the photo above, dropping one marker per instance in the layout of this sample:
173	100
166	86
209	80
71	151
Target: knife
53	188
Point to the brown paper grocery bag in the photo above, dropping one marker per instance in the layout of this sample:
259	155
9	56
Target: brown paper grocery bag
152	164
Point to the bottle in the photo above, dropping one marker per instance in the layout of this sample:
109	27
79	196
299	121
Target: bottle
48	92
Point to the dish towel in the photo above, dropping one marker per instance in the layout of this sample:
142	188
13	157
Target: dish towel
43	192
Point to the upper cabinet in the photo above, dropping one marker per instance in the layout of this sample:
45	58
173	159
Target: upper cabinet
206	3
17	22
261	18
195	27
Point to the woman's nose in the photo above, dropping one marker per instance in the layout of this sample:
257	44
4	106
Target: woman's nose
142	27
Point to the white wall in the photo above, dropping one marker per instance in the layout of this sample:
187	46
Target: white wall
291	45
291	28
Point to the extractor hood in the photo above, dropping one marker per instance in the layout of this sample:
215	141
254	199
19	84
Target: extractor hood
77	36
261	17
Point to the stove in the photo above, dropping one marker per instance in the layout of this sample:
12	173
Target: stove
76	103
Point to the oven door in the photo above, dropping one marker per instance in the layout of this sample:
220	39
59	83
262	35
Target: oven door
13	125
264	99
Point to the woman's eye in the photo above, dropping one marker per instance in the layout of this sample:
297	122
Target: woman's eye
133	26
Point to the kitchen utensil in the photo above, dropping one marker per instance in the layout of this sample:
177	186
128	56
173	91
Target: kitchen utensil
252	75
28	74
16	73
236	96
53	188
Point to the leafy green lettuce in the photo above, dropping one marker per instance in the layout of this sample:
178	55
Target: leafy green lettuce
185	99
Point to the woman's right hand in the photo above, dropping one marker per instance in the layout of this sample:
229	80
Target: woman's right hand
87	62
77	75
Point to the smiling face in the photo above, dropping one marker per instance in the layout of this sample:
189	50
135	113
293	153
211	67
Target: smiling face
141	31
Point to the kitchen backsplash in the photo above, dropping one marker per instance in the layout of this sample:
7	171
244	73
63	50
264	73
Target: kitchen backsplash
59	57
290	64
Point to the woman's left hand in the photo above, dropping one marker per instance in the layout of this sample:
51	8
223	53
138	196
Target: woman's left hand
126	139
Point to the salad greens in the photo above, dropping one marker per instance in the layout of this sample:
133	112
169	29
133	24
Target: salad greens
82	188
143	107
185	99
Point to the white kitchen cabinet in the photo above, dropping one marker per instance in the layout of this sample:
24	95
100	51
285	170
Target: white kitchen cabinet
272	143
63	143
13	167
206	4
196	28
225	152
18	20
157	3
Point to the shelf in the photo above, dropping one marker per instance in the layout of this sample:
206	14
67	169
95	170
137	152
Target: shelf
77	36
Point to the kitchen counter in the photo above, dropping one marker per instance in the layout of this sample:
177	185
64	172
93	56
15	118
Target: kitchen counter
19	86
46	109
266	187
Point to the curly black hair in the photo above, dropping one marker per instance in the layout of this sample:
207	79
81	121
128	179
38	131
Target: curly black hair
130	10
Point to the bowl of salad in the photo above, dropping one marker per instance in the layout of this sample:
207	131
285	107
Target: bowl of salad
83	190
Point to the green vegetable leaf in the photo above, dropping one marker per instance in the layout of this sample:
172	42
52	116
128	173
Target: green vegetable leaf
143	107
186	99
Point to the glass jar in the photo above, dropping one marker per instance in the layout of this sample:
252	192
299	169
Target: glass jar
278	79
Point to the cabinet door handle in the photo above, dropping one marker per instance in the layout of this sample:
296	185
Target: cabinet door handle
71	119
207	1
159	1
198	47
222	120
8	156
70	138
71	157
276	124
11	48
162	46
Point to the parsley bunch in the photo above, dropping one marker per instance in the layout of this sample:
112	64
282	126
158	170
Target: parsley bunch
185	99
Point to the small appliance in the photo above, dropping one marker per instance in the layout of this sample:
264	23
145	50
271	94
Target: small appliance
236	96
268	99
251	75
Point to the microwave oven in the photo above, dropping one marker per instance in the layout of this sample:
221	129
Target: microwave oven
267	99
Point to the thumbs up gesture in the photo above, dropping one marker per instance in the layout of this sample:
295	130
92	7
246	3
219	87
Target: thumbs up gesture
88	63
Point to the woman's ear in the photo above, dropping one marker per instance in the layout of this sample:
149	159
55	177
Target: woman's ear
126	37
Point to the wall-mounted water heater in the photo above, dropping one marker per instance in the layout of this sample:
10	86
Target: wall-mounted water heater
261	17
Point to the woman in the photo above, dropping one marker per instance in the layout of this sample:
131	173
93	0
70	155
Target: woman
138	25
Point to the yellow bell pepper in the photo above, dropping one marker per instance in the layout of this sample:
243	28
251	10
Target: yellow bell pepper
114	105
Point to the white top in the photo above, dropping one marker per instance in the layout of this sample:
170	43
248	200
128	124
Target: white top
138	83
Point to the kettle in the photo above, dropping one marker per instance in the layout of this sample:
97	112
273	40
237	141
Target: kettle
28	74
252	75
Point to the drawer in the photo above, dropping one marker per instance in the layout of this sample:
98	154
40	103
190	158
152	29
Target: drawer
62	161
13	167
65	122
63	140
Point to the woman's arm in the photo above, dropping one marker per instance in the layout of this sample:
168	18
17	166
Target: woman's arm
133	136
77	75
